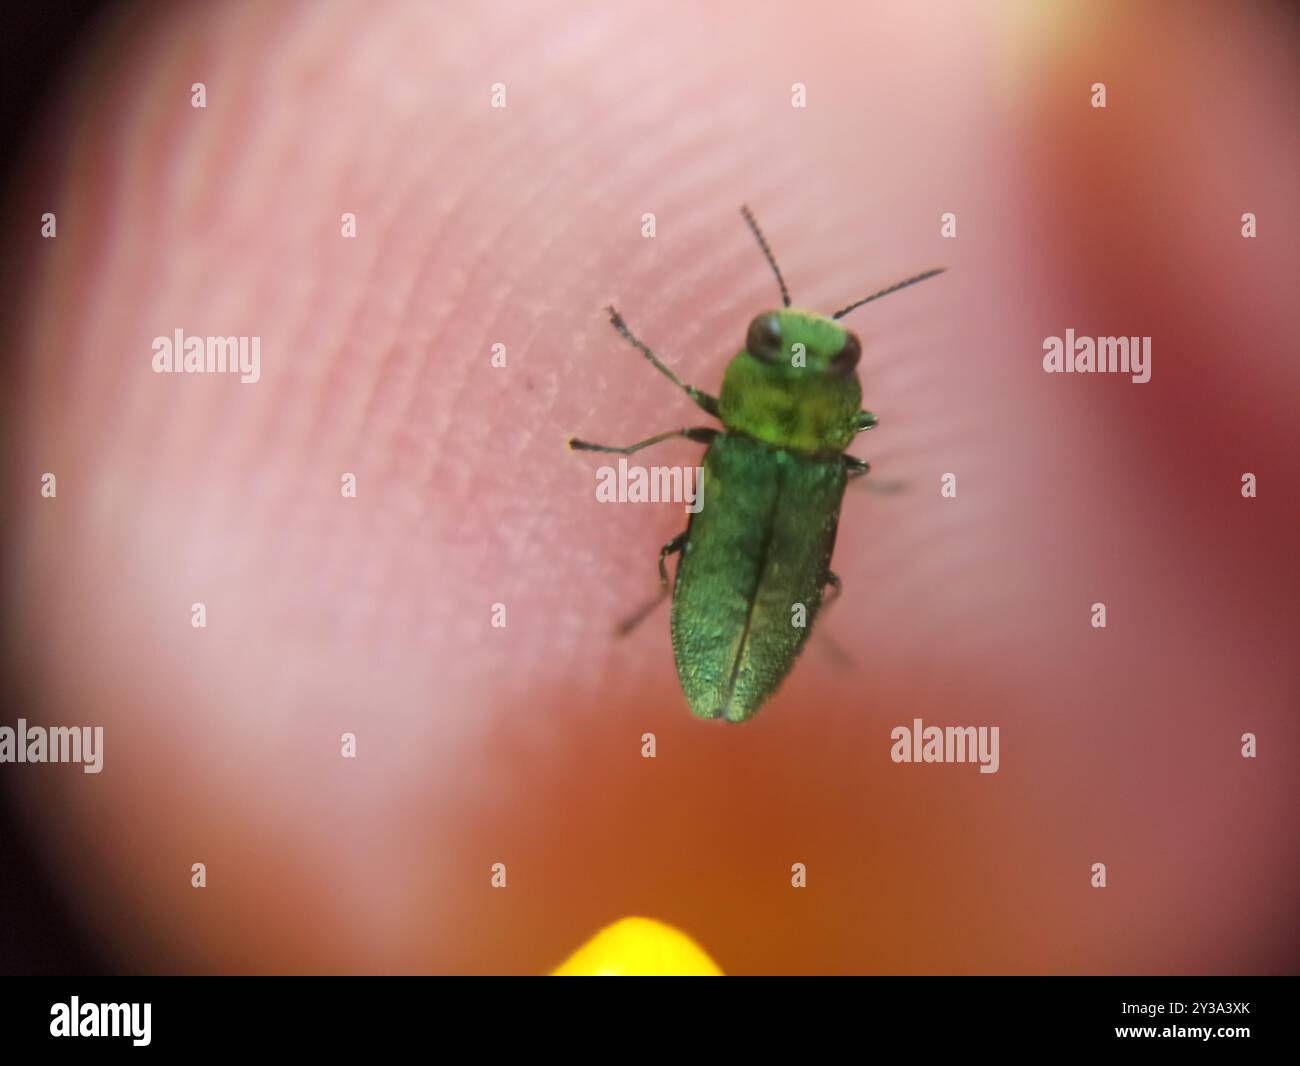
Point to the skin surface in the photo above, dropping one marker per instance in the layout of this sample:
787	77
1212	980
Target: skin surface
523	745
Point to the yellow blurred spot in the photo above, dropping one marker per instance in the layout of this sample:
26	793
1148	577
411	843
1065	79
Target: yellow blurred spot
639	947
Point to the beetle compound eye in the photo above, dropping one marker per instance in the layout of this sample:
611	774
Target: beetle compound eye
847	357
763	341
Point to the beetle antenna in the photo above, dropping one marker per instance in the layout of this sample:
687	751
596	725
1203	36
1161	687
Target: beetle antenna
771	259
885	292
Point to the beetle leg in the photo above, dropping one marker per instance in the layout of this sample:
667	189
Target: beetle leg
837	586
866	421
702	434
671	548
829	644
633	620
703	399
856	467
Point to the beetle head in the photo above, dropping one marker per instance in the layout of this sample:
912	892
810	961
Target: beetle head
794	384
803	342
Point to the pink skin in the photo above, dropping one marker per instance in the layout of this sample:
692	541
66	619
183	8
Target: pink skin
522	745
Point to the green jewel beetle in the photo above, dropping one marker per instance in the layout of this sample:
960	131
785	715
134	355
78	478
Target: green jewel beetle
754	561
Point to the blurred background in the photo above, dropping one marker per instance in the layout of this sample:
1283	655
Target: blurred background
480	745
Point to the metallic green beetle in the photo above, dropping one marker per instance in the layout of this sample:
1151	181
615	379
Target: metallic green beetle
755	560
